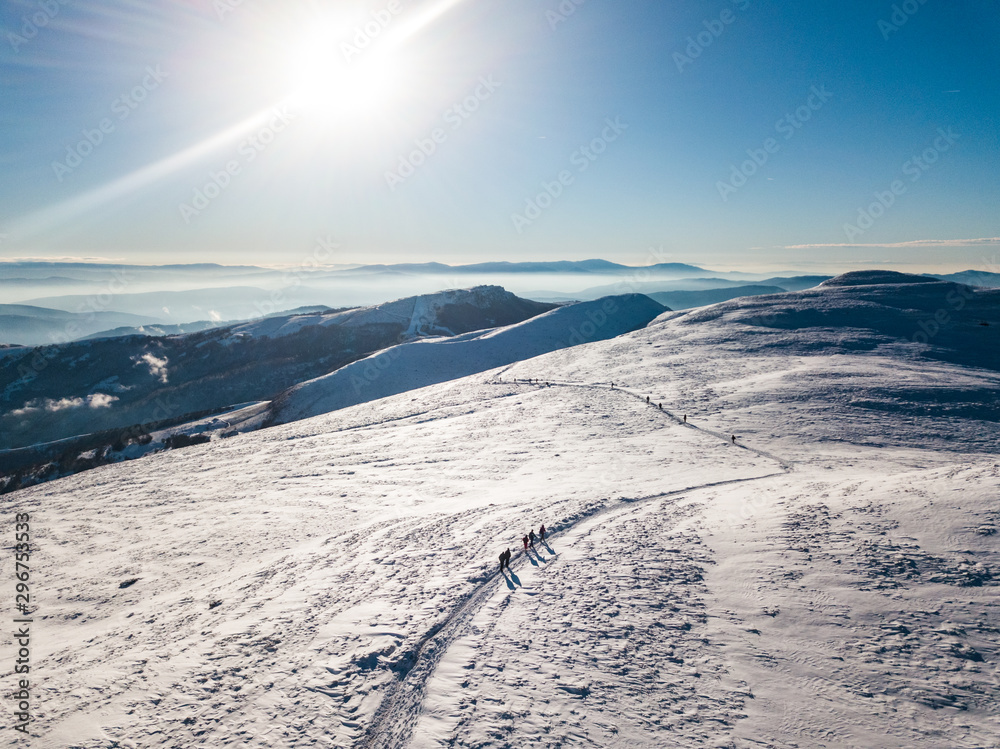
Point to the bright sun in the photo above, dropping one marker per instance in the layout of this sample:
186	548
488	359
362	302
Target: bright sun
326	84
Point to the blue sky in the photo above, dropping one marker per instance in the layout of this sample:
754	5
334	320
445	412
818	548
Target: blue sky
730	134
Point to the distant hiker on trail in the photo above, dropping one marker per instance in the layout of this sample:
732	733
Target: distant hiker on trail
734	439
531	538
541	532
685	418
525	540
503	559
507	555
612	386
647	399
661	406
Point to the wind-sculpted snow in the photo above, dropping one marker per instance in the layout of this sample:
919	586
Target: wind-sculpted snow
426	362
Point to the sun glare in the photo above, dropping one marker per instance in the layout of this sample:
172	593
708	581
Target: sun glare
350	89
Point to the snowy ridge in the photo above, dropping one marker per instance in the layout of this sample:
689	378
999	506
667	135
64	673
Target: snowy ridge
418	314
876	278
426	362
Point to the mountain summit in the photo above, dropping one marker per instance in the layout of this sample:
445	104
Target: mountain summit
876	278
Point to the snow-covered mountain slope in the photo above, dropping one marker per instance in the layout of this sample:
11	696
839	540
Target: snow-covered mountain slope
447	312
829	580
857	363
199	325
44	394
426	362
876	278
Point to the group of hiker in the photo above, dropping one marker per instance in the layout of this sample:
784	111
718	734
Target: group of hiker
528	540
659	405
530	381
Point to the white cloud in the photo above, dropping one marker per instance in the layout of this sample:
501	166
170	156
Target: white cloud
214	316
52	405
903	245
60	258
157	367
100	400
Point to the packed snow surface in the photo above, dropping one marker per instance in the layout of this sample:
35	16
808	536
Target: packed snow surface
829	579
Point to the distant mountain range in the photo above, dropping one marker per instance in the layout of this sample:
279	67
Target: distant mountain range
600	267
28	325
34	272
162	300
677	300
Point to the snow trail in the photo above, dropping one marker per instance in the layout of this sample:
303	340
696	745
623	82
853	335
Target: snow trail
398	713
787	464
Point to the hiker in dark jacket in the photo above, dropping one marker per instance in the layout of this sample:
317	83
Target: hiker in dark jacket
541	532
531	538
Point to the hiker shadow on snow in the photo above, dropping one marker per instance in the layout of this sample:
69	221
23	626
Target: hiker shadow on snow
510	584
514	580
